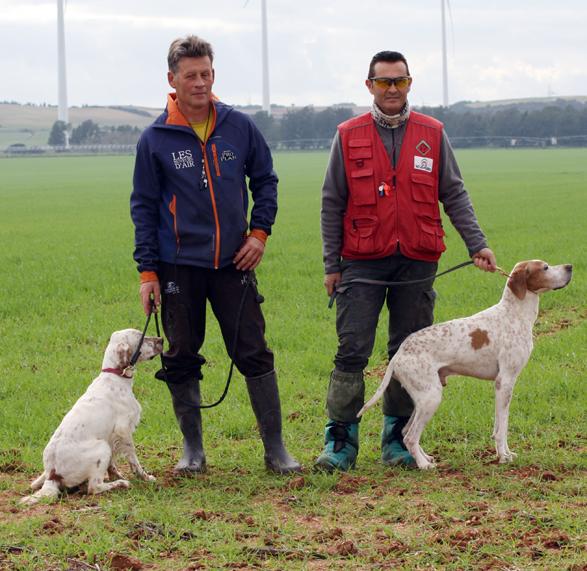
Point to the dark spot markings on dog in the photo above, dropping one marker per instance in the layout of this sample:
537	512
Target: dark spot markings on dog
479	338
54	476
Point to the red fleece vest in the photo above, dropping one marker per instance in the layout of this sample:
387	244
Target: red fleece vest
389	208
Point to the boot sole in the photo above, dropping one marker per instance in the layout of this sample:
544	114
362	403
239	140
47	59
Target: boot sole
190	471
331	468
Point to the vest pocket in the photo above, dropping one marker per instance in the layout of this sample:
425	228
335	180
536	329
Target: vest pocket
361	237
363	187
431	236
424	195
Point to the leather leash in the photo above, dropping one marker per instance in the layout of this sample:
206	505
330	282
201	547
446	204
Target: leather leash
249	281
402	283
388	284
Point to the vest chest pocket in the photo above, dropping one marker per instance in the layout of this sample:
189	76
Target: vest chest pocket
424	195
363	187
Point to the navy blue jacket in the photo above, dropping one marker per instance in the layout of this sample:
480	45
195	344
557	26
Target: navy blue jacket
189	202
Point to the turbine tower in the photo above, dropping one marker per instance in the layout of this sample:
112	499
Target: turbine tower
61	77
264	56
265	48
444	58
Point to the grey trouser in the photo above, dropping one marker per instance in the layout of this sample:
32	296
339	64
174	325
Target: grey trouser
357	312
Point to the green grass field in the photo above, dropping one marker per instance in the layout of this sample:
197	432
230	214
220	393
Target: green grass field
68	281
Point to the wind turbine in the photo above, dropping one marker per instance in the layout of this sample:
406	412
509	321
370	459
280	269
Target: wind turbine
444	55
444	58
265	56
63	112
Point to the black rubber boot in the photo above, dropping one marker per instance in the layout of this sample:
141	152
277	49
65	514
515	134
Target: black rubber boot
264	396
185	398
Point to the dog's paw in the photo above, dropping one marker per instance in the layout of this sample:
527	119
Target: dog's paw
426	465
149	478
28	501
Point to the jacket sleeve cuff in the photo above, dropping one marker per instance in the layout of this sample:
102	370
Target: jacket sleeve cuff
149	277
259	234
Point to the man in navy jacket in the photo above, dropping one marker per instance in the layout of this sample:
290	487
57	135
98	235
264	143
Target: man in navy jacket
194	243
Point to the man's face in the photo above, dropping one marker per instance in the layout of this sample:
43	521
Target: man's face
389	99
193	82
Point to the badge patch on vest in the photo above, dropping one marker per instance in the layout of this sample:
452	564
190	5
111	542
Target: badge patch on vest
423	164
423	147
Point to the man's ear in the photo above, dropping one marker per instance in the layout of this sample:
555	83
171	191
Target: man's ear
171	79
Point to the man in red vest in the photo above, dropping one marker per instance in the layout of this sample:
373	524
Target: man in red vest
388	171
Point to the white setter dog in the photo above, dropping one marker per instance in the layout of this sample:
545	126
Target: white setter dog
98	427
494	344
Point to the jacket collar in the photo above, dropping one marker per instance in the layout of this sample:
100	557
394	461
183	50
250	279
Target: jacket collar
176	117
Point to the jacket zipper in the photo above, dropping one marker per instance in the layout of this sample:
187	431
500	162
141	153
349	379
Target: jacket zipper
173	209
393	186
214	210
215	156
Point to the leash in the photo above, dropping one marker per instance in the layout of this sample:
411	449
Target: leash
249	281
402	283
409	282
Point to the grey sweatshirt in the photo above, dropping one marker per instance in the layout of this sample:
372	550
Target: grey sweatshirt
451	193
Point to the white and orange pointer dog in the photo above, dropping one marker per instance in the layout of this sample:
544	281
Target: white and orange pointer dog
98	427
494	344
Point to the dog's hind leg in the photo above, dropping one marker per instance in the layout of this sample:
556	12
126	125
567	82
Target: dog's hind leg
405	431
38	483
97	485
426	403
98	457
50	490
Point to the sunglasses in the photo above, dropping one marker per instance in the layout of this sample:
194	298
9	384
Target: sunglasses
386	82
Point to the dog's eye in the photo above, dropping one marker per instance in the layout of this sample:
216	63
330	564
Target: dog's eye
545	267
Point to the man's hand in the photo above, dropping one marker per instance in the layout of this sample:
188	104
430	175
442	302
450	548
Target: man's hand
148	288
250	254
485	260
331	281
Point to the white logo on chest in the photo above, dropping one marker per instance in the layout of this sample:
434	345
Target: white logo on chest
183	159
423	164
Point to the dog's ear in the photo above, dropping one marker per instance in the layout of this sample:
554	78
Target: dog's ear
123	353
518	280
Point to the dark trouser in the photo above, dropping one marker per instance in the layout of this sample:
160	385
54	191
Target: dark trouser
357	312
185	291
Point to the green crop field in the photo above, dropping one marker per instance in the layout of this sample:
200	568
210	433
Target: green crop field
67	281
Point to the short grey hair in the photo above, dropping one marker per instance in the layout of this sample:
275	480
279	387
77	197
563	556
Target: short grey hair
190	46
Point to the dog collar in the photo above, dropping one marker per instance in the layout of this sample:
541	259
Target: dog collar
127	372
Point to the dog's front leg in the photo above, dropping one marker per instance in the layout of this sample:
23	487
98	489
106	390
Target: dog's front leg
113	472
127	448
504	386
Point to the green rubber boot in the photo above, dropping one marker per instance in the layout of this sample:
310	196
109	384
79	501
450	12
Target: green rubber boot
393	449
341	441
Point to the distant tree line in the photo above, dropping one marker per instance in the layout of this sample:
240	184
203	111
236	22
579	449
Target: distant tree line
302	128
90	133
512	121
307	128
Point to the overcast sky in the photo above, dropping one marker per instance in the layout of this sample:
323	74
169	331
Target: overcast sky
319	49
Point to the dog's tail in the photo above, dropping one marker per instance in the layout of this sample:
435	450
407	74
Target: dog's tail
379	392
50	489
